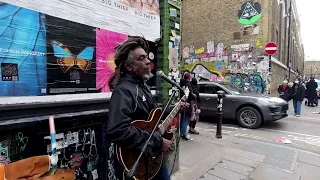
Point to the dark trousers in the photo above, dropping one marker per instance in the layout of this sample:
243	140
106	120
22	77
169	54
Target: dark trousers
163	173
310	100
192	124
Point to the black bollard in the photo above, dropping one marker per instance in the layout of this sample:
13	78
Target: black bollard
221	95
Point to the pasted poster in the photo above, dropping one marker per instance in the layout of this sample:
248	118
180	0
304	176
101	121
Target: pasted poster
106	41
132	17
22	51
70	56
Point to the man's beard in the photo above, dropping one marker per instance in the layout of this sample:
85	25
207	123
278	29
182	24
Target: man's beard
147	76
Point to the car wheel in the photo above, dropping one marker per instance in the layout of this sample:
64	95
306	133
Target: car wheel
249	117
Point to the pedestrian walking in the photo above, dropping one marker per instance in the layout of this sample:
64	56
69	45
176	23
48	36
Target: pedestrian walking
186	114
311	91
195	111
298	93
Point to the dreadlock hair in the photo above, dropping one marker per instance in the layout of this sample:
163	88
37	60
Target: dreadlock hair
122	57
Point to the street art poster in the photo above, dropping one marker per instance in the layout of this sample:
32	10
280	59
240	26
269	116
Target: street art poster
22	51
115	15
70	57
249	13
106	41
173	58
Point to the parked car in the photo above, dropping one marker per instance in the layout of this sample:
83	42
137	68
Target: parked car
251	110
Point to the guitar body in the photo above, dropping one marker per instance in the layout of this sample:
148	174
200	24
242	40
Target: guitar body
128	157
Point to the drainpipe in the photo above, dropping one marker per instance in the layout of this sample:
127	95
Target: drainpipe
289	38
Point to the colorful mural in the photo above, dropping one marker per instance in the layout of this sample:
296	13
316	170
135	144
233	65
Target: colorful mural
234	64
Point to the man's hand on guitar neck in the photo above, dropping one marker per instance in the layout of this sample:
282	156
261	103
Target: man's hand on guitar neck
167	146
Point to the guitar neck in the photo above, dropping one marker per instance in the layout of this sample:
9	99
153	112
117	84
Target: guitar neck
165	124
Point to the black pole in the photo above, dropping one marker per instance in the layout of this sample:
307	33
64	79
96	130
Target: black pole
270	72
289	38
221	95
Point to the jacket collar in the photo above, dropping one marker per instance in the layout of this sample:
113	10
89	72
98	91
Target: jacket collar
131	78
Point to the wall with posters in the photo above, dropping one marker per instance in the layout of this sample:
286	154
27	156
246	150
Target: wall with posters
237	64
54	47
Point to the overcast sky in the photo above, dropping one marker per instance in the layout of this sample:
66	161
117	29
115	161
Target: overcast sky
309	11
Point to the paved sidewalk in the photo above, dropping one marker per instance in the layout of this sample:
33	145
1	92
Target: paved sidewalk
233	158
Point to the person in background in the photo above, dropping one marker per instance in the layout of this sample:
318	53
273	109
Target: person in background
311	91
284	91
298	93
282	88
186	114
195	111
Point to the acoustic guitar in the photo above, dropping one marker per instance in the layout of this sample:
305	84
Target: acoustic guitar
148	167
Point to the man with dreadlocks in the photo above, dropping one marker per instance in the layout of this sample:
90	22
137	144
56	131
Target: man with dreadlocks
132	100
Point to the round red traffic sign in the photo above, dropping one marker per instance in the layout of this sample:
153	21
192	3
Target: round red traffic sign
271	48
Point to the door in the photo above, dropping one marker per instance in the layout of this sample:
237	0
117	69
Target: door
209	98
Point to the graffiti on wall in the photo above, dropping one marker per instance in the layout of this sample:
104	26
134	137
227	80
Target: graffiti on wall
248	82
250	74
78	150
4	152
235	64
209	63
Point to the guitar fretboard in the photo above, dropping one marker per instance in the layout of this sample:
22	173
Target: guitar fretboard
165	124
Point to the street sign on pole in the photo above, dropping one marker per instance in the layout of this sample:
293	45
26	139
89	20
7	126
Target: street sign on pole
271	48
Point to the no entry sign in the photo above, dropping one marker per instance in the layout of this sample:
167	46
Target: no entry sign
271	48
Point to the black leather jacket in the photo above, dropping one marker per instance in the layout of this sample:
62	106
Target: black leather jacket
131	100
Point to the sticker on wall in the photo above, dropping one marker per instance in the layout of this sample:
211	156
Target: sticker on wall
251	29
259	43
173	32
249	13
200	50
219	65
185	52
210	47
177	42
192	50
235	56
173	12
177	26
173	58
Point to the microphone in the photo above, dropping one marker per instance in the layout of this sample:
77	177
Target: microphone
166	78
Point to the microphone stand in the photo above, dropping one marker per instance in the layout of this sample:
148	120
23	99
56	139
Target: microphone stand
130	174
